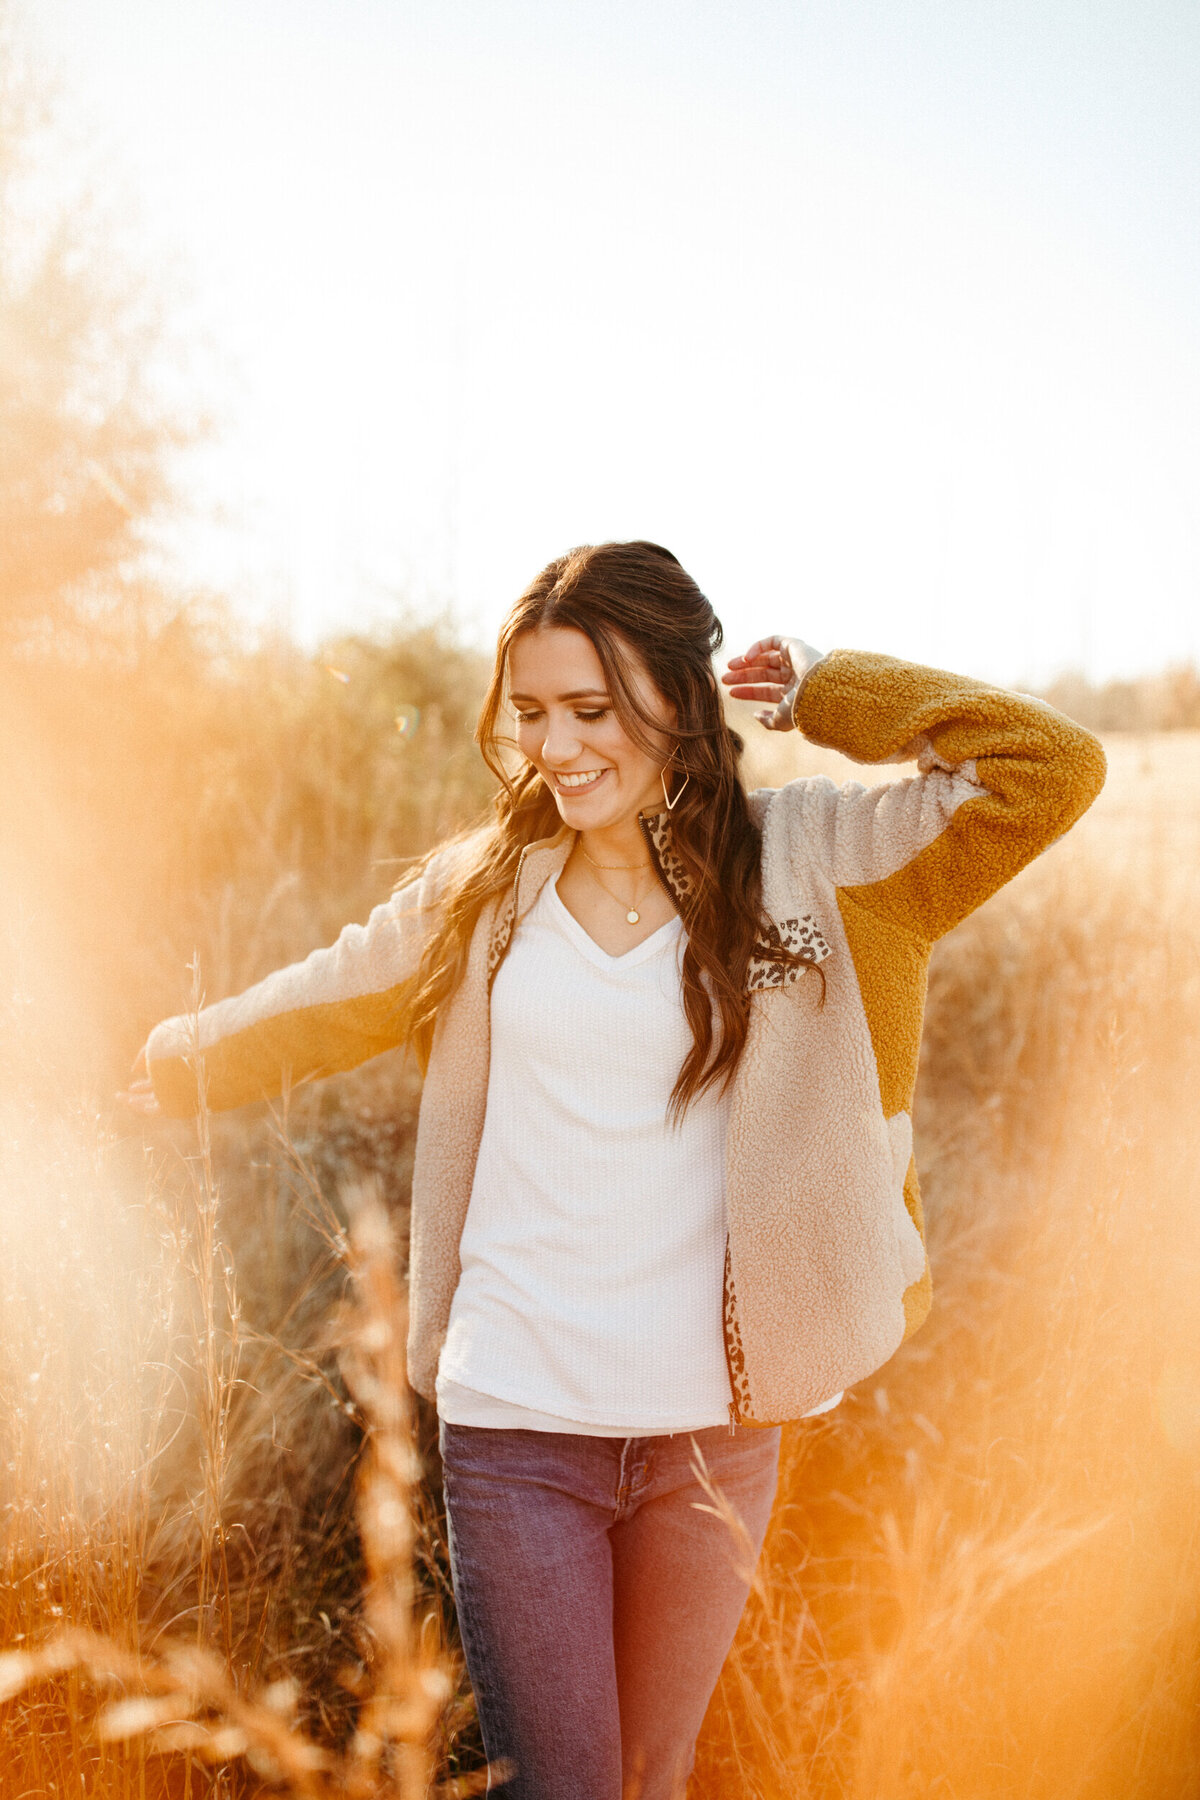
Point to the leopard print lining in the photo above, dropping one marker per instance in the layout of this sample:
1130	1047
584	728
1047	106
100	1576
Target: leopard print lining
742	1409
802	937
735	1356
502	930
658	829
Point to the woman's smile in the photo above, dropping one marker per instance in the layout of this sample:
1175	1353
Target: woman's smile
585	778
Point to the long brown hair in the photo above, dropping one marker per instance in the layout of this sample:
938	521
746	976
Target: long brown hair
631	600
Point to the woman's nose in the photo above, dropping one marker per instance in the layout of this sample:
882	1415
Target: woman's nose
561	742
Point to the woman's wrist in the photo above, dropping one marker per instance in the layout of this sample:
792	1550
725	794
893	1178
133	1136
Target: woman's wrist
805	659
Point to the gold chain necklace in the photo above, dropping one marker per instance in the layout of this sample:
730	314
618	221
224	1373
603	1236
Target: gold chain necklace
628	867
632	915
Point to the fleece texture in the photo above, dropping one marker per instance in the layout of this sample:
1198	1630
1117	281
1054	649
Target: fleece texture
826	1269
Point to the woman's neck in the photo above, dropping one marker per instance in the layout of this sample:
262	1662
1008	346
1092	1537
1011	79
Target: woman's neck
620	845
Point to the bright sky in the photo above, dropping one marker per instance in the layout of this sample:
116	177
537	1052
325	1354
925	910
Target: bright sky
880	313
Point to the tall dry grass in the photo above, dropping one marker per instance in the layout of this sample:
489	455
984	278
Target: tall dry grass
177	1440
184	1703
982	1574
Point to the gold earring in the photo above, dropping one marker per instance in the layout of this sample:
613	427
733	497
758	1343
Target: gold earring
672	804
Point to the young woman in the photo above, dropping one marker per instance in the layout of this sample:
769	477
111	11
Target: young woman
664	1196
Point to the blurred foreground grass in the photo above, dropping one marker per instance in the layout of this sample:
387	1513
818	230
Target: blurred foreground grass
983	1575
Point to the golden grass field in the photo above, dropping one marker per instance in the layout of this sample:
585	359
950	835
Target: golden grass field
983	1574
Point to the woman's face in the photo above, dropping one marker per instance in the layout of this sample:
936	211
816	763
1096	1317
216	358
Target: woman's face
568	729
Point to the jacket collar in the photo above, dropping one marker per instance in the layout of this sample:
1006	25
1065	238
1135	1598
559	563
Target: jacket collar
539	863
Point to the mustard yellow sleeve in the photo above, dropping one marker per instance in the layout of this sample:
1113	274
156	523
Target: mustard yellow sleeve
1001	776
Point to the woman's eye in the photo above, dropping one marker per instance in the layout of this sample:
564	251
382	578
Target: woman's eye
527	718
592	718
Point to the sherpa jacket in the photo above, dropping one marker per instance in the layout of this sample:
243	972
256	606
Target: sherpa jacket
826	1270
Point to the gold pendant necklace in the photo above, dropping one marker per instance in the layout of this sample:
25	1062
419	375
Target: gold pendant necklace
632	915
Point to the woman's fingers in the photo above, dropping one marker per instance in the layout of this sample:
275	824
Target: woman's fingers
761	650
770	666
764	672
755	672
742	667
139	1097
743	670
759	690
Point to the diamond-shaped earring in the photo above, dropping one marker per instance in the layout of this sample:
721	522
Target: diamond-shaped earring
672	804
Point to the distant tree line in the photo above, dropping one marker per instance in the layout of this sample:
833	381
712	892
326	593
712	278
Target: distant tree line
1169	701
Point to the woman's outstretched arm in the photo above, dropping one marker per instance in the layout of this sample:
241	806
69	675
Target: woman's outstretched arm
332	1011
1002	775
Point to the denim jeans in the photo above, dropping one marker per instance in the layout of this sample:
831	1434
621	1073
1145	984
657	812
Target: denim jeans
597	1599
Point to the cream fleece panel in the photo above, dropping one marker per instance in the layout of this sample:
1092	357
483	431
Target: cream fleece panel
453	1104
857	834
364	960
540	862
810	1191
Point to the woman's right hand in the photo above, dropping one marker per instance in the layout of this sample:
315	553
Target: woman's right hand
772	670
139	1096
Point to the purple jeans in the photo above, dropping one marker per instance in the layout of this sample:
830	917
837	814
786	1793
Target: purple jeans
597	1599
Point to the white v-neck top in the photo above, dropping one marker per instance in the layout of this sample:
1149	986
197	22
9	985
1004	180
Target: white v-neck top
594	1246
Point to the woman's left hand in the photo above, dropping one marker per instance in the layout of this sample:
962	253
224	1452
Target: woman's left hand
772	670
139	1096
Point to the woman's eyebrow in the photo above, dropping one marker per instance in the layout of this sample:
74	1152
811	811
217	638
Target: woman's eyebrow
575	694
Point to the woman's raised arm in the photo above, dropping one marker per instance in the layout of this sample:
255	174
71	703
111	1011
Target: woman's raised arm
1001	776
